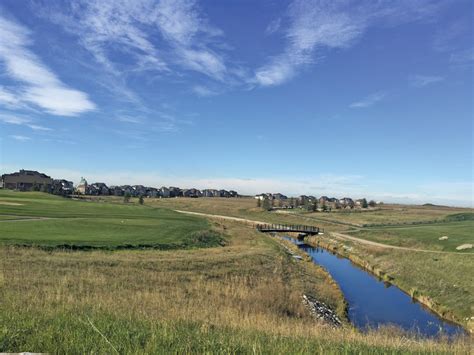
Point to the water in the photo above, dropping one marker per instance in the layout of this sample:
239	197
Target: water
373	303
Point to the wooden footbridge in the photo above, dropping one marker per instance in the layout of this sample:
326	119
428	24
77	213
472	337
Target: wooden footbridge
275	228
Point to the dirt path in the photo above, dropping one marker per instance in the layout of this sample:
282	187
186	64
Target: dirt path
334	234
236	219
387	246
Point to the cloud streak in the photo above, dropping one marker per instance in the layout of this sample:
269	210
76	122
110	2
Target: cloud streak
369	100
314	25
21	121
420	81
38	84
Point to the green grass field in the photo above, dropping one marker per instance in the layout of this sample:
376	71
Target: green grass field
243	297
424	236
78	224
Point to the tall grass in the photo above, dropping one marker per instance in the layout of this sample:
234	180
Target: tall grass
241	298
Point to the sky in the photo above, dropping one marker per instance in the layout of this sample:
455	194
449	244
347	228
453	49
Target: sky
320	97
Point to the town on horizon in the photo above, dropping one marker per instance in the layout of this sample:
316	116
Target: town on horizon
31	180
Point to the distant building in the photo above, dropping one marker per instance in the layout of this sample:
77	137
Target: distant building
82	187
165	192
62	187
26	180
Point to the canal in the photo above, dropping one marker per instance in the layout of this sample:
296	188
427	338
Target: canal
372	302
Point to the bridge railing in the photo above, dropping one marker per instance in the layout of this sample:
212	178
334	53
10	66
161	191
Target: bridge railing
287	228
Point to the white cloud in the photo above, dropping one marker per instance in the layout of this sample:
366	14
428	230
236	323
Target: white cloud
462	57
203	91
22	121
273	26
325	24
369	100
420	81
105	26
39	85
20	138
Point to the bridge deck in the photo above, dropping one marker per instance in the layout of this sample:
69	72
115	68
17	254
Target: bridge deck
266	228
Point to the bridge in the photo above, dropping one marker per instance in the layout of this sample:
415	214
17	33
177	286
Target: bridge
308	230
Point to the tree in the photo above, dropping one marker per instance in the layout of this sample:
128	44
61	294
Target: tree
140	200
266	204
259	202
372	203
126	197
44	188
324	207
364	203
292	202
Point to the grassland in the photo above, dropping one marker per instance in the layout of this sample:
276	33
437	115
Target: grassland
388	214
424	236
445	279
244	297
59	222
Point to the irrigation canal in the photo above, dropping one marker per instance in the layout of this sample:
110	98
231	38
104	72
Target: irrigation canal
372	302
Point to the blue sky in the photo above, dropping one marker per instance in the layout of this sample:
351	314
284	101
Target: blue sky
358	98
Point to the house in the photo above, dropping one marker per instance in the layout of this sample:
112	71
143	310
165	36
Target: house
361	202
98	188
164	192
233	193
224	193
62	187
175	191
138	190
279	196
81	188
346	202
209	193
323	199
127	190
152	192
26	180
116	190
192	193
264	196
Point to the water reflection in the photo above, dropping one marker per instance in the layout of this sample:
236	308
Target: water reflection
373	302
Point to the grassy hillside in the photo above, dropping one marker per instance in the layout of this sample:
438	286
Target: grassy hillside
424	236
241	298
50	221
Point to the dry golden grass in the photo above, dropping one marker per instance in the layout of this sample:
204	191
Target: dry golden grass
249	290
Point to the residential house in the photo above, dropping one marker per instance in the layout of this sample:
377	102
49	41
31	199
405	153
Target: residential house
99	188
164	192
116	190
26	180
175	191
191	193
279	196
138	190
62	187
346	202
152	192
81	188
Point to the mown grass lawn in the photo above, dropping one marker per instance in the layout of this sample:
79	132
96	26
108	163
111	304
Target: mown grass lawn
70	223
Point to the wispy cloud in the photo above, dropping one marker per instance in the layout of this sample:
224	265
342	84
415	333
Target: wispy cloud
369	100
273	26
20	138
420	81
204	91
39	85
462	57
22	121
327	24
105	26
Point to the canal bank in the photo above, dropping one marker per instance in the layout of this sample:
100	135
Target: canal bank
347	251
